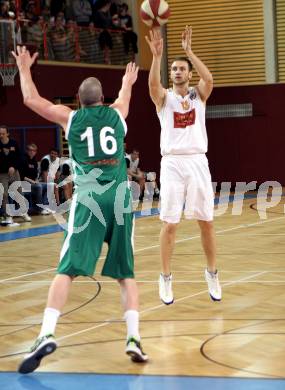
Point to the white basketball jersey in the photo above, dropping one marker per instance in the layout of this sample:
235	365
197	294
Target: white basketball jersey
182	120
134	164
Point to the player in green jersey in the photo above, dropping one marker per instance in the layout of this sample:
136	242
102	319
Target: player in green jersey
101	206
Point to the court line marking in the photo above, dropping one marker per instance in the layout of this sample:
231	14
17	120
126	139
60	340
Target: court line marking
242	226
24	275
147	281
109	321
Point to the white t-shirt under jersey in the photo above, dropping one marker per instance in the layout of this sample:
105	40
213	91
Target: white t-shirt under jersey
182	120
134	164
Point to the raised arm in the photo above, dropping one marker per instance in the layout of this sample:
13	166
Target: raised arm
205	85
52	112
156	90
122	103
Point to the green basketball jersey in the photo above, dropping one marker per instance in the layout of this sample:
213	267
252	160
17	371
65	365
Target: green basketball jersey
96	134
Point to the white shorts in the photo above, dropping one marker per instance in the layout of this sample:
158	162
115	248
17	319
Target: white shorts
186	181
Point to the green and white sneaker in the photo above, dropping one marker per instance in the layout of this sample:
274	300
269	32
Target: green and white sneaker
134	350
43	346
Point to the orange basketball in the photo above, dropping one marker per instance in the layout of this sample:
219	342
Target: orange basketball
155	13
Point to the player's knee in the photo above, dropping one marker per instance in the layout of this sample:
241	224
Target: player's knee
170	228
206	226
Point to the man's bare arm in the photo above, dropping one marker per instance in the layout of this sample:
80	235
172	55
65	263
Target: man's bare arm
53	112
156	90
205	85
122	103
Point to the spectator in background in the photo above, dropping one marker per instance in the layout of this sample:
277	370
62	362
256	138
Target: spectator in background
51	176
65	185
35	34
134	172
82	12
53	164
129	36
103	20
46	14
56	6
31	11
68	10
61	41
73	48
29	172
13	7
146	180
88	47
60	15
44	166
9	173
115	5
4	10
54	171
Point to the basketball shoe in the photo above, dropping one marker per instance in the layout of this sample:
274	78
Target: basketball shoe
214	287
43	346
165	289
134	350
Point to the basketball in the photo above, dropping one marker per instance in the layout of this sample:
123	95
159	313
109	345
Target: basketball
154	13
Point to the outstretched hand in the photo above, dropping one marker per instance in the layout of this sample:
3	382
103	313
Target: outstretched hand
131	73
187	39
23	57
155	42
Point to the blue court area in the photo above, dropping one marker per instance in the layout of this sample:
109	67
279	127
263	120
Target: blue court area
71	381
55	228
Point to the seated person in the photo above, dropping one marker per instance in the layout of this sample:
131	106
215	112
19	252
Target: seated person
29	173
151	184
9	175
139	176
134	173
49	173
65	184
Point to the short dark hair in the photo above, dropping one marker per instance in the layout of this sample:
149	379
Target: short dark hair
34	146
4	127
65	170
54	150
90	92
185	59
124	6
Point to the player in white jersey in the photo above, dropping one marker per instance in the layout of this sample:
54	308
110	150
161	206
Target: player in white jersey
185	176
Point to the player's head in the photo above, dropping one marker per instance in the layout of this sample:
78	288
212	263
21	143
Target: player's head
90	92
4	133
31	150
135	154
53	153
181	71
124	8
65	170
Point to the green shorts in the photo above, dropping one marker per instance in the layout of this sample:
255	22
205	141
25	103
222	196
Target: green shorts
93	220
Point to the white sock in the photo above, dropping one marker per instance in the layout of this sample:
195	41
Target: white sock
132	320
49	321
212	273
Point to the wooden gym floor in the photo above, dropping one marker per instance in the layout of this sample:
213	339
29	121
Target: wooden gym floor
240	337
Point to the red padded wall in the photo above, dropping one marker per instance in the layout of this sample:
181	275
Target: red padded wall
240	149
